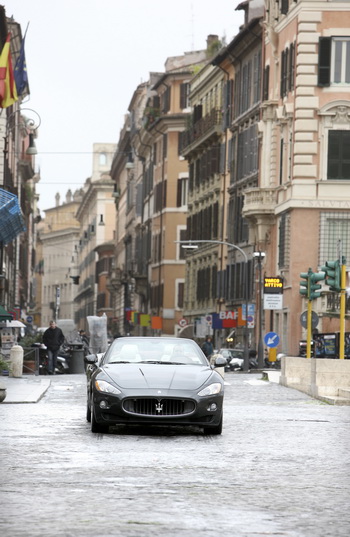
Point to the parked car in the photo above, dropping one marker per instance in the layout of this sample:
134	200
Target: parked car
234	358
154	381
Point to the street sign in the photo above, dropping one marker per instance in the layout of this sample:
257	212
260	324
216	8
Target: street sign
314	319
273	293
273	302
273	285
183	323
29	319
271	339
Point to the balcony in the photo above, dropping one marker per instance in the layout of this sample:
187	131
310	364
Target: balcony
259	202
204	129
259	209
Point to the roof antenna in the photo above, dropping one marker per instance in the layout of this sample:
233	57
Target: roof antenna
192	27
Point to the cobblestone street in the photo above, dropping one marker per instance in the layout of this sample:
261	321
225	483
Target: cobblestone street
281	467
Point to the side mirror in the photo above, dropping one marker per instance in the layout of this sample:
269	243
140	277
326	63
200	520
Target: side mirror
220	361
91	359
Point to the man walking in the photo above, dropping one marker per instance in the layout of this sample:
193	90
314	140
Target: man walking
207	346
53	338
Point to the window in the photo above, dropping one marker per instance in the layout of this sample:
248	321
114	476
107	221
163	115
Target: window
338	154
340	61
180	294
266	83
334	61
103	159
283	244
184	92
183	237
182	191
334	227
287	70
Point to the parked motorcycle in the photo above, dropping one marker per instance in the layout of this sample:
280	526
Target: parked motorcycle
62	363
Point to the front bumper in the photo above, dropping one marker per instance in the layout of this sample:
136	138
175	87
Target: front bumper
155	409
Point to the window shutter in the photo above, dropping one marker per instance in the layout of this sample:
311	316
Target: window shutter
165	145
266	83
222	157
324	61
284	7
291	66
164	192
338	155
180	296
156	101
183	95
179	191
283	74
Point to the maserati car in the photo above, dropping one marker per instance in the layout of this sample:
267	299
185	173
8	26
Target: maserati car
149	381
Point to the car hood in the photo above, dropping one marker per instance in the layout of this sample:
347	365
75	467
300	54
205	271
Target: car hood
156	376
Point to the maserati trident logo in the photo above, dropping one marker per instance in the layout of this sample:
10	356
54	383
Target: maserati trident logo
159	408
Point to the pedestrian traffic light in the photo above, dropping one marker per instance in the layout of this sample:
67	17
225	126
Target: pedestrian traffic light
304	285
332	270
314	286
75	279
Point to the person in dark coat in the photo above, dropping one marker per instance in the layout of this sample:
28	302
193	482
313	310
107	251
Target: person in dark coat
207	346
53	338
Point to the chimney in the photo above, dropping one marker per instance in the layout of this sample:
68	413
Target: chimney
57	197
212	39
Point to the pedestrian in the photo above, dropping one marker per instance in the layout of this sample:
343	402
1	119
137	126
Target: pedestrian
53	338
207	346
84	337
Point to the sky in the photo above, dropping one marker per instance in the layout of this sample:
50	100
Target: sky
85	58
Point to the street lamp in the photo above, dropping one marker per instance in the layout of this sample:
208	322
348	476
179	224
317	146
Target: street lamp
29	123
259	256
192	244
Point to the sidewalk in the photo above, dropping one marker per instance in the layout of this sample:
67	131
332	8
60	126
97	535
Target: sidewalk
27	389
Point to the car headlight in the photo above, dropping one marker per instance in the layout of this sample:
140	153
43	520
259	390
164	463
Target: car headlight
212	389
106	387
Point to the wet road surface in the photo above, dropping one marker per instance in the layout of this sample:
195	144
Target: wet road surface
281	467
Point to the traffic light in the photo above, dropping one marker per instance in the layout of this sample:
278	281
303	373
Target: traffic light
314	286
75	279
304	285
309	288
332	270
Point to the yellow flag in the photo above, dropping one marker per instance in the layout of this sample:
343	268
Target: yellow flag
8	91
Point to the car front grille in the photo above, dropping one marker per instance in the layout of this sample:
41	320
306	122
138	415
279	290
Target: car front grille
159	407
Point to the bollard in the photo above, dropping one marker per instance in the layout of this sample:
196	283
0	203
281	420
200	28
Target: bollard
2	392
16	359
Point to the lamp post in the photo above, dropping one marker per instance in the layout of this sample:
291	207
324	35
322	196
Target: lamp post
191	244
259	256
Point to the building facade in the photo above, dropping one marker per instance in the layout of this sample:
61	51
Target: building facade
299	213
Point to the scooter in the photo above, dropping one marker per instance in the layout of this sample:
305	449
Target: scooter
62	363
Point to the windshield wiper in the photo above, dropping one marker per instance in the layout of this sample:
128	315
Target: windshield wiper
119	362
161	362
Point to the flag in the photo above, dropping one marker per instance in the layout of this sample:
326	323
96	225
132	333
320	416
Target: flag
8	92
21	76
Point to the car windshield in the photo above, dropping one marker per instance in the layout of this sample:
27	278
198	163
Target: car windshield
155	350
231	353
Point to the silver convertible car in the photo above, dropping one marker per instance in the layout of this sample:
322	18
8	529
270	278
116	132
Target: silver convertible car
154	381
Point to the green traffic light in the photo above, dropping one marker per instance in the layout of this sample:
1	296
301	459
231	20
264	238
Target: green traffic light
309	287
304	285
332	270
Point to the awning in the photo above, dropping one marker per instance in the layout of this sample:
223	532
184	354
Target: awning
15	324
11	218
5	315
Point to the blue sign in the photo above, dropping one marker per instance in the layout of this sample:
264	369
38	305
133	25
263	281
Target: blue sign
271	339
29	319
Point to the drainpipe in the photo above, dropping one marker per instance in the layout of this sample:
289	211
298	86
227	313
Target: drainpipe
161	222
222	238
